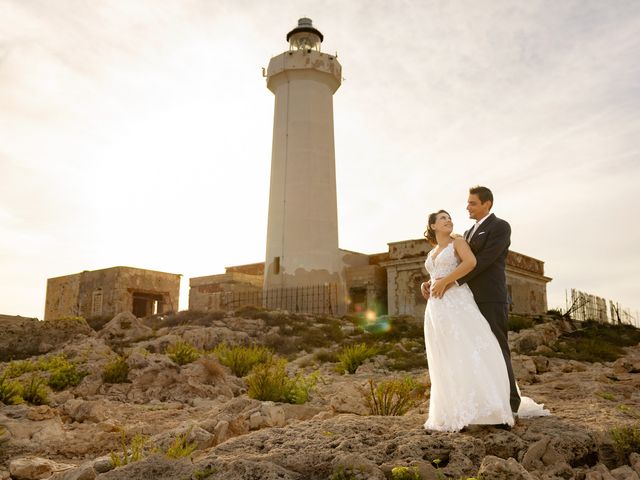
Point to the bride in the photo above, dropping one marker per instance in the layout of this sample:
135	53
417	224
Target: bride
469	381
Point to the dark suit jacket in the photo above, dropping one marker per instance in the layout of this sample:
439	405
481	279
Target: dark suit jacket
490	244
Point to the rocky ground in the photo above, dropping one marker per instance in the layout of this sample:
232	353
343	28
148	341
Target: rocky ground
332	436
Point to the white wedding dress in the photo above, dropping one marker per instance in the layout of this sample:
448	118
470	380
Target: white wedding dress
469	382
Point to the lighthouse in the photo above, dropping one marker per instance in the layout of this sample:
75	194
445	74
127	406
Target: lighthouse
302	233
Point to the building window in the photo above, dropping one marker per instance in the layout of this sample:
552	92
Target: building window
96	303
276	265
510	297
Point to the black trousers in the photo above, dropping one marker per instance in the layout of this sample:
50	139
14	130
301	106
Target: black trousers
497	314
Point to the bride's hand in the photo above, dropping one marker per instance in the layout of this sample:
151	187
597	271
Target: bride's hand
439	287
425	289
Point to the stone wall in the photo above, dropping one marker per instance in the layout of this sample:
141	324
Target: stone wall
418	247
62	297
367	288
204	291
528	294
110	291
405	272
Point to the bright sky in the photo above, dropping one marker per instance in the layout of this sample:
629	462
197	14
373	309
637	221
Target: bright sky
138	132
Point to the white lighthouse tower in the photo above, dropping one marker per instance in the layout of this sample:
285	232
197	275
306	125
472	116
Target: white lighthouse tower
302	234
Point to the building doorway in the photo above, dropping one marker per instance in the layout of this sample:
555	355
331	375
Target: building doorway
146	304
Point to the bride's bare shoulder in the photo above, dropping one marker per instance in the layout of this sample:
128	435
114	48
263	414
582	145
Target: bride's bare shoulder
459	243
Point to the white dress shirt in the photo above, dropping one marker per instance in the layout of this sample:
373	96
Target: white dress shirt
477	225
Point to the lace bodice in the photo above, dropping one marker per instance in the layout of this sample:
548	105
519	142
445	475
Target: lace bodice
445	262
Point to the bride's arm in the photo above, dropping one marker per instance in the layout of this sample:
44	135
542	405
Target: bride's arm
467	263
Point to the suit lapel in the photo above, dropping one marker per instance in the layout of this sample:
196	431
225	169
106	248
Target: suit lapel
482	228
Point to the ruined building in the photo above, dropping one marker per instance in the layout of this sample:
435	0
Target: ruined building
107	292
383	283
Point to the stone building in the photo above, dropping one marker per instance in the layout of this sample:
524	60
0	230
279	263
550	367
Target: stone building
526	282
383	283
208	293
107	292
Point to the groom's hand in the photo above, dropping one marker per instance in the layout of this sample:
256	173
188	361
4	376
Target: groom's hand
439	288
425	288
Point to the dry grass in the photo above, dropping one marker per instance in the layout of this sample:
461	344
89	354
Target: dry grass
212	366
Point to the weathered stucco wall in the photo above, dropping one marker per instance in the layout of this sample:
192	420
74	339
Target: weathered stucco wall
204	292
109	291
405	272
62	297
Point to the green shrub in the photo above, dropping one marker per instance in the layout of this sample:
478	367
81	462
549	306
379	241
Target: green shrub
596	342
242	359
586	350
391	397
251	311
269	381
517	323
9	391
17	368
65	376
405	473
325	355
333	331
181	447
35	391
342	473
137	450
626	440
407	356
607	396
393	328
630	411
116	371
353	356
204	473
314	337
183	352
54	362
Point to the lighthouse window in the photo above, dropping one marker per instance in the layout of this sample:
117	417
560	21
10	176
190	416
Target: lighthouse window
276	265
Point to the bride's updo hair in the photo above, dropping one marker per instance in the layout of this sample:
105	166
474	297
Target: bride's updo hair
429	234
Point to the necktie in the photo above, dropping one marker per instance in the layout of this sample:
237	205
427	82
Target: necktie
473	230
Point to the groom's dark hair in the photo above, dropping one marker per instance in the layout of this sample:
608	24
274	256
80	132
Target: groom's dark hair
483	193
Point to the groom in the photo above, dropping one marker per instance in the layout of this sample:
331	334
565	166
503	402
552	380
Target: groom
489	240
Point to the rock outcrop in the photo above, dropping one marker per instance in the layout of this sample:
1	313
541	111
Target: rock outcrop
235	437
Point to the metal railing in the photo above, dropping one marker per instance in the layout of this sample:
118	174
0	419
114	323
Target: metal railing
317	299
585	306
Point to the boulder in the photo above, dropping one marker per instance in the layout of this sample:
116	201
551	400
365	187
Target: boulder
348	398
24	337
624	472
524	369
634	460
125	328
357	467
35	468
84	472
500	469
